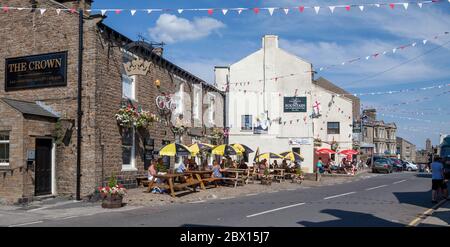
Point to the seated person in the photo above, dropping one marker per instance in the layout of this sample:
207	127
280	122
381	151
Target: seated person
182	167
217	170
152	170
242	165
193	165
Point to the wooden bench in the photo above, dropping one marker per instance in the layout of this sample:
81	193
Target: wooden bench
142	180
211	180
182	186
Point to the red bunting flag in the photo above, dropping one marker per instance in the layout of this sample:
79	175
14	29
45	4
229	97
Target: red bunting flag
392	5
301	8
210	11
256	10
5	9
347	7
73	11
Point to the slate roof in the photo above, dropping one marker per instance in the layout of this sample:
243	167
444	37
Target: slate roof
29	108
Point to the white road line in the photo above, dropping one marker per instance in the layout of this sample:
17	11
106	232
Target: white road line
252	194
381	186
70	217
330	197
276	209
197	201
401	181
28	223
226	198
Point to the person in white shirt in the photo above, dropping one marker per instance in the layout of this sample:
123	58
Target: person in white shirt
437	180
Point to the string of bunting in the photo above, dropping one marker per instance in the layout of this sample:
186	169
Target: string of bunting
413	101
350	61
255	10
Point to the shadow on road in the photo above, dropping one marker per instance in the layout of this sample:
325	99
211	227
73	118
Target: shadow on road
350	219
419	198
423	175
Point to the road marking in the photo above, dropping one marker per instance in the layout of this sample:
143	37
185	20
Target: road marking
425	214
330	197
275	191
252	194
70	217
29	223
276	209
226	198
198	201
401	181
381	186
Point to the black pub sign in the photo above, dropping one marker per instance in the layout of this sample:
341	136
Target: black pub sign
294	104
37	71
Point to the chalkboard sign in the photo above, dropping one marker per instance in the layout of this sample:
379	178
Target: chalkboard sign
294	104
37	71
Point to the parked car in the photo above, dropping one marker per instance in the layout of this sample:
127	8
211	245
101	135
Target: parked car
411	166
383	165
369	160
397	164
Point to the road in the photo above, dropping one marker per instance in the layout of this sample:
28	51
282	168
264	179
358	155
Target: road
383	200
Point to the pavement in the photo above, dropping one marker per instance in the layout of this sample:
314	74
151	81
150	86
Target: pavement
438	217
394	200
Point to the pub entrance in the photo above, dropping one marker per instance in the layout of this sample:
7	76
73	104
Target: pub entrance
43	171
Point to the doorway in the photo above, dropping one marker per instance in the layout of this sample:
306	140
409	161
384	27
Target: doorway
43	171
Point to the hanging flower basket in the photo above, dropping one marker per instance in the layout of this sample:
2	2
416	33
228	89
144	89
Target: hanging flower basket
334	146
145	119
317	142
129	116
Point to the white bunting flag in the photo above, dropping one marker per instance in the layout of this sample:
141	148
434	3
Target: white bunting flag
406	5
180	11
378	5
103	11
20	8
224	11
332	8
133	12
239	11
414	44
394	50
425	41
149	11
271	10
58	11
361	7
321	69
286	11
420	5
367	58
42	11
317	8
384	52
343	63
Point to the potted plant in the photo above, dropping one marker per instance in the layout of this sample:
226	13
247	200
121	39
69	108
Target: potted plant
144	119
112	194
298	177
266	179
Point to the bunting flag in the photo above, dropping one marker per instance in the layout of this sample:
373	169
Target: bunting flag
256	10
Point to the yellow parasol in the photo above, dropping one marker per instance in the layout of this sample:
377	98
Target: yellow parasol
243	148
197	147
225	149
293	156
269	156
175	149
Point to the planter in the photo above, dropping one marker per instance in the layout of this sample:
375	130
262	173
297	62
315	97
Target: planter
112	201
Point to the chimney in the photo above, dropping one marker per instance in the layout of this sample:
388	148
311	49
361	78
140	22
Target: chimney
270	41
158	51
77	4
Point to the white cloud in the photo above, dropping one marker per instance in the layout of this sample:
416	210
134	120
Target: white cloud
172	29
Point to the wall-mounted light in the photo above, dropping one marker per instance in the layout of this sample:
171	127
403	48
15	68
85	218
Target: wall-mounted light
157	83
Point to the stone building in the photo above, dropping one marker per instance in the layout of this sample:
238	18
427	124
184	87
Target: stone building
406	149
38	132
378	137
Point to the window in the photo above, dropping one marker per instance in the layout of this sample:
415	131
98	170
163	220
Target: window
246	123
128	150
128	87
212	108
333	127
197	105
180	100
4	148
365	132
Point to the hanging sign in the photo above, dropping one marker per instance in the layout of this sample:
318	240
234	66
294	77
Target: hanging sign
294	104
37	71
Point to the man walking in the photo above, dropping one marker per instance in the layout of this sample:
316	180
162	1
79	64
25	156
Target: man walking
437	180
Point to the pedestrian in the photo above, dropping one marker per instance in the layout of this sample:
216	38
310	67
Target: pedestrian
437	180
320	165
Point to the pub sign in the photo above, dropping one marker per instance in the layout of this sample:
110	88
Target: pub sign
37	71
294	104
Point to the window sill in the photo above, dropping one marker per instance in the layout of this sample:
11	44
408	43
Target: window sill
130	169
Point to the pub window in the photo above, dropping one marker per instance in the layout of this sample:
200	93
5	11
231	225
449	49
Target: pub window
333	128
4	148
128	150
246	123
196	105
212	110
128	87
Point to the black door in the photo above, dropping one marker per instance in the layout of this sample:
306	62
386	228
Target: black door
43	174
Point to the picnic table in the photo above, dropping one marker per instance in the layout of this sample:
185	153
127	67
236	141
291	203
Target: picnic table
278	174
174	181
203	177
236	176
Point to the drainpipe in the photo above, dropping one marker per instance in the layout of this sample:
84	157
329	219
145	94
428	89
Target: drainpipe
79	111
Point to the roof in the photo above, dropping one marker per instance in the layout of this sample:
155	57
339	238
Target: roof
29	108
148	53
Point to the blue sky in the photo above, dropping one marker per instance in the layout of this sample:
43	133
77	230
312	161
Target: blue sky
198	42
